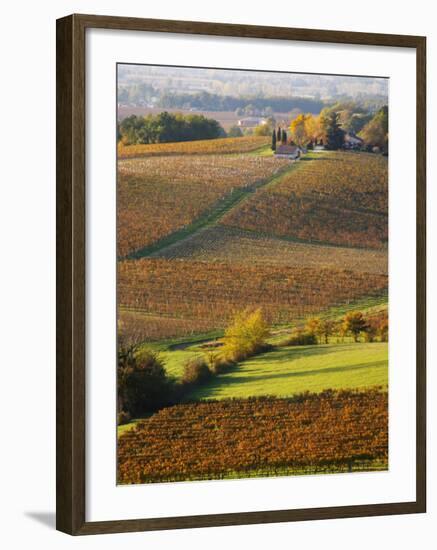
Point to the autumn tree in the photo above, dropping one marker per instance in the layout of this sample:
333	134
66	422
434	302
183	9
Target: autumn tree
313	130
375	132
377	327
321	328
327	329
371	332
354	323
382	330
298	130
313	326
306	128
245	336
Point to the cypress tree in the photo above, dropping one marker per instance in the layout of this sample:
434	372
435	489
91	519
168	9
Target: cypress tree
279	134
274	140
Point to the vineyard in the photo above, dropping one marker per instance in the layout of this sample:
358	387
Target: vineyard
227	244
160	195
207	229
337	198
327	432
212	292
201	147
158	327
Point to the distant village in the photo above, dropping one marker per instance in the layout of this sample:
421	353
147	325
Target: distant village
284	146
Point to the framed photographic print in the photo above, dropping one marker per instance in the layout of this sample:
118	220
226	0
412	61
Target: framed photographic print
240	274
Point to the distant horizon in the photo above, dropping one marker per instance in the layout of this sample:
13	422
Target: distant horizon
252	83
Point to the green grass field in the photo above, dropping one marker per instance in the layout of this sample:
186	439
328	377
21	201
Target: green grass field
175	352
290	370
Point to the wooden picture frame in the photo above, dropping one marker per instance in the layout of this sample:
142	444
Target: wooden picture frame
71	253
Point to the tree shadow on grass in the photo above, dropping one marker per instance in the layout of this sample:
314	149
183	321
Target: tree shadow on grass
297	374
331	159
291	353
276	358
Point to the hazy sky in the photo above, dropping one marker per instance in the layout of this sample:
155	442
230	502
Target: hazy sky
236	82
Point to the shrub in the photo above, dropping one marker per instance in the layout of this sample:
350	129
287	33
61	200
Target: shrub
299	337
196	371
217	364
123	417
143	385
222	365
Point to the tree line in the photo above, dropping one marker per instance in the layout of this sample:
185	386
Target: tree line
355	324
167	127
332	124
205	101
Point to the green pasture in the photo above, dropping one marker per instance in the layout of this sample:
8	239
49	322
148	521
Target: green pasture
175	352
290	370
286	371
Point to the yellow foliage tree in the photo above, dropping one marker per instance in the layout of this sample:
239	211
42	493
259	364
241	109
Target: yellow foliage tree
314	326
313	129
245	336
305	128
298	130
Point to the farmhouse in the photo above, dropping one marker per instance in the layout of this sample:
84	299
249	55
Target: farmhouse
319	146
352	142
251	122
288	151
